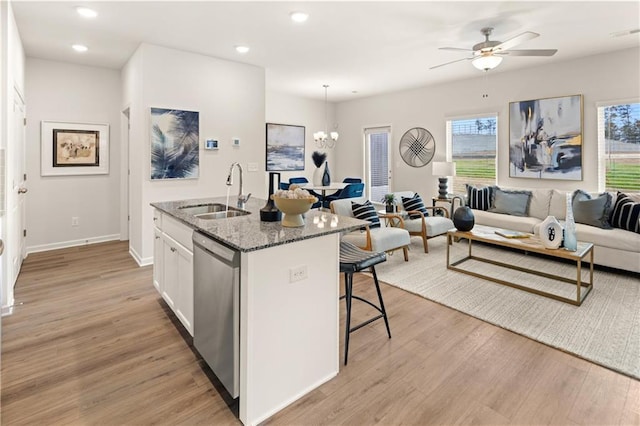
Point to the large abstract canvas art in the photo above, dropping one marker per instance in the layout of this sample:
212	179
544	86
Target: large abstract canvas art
174	144
285	147
545	138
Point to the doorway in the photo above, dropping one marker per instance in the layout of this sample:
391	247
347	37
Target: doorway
16	199
378	162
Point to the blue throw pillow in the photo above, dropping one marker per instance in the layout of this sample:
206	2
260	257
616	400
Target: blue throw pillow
515	203
592	211
366	211
413	204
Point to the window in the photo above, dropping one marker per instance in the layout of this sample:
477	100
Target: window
471	144
378	174
619	147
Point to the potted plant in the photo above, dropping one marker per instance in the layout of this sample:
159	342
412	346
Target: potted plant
389	201
318	159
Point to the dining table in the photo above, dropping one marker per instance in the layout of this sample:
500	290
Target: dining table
333	186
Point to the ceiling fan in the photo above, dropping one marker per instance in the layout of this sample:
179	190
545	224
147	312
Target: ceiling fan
488	54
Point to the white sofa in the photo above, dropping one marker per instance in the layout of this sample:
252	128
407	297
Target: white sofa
616	248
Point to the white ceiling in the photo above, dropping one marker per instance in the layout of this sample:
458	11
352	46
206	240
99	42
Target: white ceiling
368	47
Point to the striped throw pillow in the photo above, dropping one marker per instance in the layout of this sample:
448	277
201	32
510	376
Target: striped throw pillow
414	203
479	198
366	211
625	214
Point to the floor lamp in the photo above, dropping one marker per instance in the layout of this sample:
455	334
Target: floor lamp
443	169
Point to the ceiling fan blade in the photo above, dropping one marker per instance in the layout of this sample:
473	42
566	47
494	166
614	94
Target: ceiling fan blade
455	48
514	41
452	62
529	52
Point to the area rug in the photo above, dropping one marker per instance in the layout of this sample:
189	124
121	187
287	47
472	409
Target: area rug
604	330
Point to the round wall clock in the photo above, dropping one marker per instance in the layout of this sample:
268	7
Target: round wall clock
417	147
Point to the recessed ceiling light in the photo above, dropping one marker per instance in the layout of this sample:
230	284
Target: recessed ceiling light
80	48
86	12
242	49
299	16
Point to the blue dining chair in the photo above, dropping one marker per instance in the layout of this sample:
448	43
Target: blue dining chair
352	190
298	180
352	180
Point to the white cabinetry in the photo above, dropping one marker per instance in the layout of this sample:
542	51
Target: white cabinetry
173	267
158	281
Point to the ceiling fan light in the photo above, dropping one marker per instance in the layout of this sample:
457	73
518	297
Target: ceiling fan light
487	62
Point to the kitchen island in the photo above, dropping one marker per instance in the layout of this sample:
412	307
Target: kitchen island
288	298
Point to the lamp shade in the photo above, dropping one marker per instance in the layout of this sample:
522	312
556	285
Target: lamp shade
486	62
444	168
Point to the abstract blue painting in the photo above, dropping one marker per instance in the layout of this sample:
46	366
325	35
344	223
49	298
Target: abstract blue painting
175	136
545	138
285	147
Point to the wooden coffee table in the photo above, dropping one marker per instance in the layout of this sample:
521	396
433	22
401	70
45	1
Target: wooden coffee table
487	234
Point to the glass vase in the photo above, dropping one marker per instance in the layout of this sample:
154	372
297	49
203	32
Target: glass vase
570	241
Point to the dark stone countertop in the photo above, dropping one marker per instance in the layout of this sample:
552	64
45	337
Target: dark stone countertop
248	233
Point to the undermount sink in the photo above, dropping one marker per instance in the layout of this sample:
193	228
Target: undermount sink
222	215
213	211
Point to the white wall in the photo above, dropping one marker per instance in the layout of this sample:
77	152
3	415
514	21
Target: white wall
71	93
287	109
598	78
230	98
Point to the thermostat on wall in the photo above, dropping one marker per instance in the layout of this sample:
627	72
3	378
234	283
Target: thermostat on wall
235	141
211	144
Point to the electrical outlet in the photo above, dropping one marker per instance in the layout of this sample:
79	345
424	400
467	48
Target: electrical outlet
75	221
298	273
252	167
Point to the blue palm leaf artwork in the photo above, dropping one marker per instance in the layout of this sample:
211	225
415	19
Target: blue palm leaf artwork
175	136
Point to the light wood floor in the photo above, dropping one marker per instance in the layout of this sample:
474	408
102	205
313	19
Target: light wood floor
93	343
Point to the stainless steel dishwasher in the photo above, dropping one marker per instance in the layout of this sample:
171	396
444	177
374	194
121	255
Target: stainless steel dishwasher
216	302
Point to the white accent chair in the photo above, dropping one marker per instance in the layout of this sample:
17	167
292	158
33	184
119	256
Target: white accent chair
383	239
424	227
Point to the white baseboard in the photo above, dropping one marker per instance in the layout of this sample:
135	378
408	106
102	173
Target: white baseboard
8	308
73	243
139	260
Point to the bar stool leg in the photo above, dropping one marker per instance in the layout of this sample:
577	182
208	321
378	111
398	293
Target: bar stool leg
382	309
348	289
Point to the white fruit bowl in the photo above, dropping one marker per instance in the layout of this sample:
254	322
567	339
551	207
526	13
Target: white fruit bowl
293	209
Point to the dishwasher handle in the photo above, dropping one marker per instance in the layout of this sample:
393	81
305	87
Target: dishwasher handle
223	253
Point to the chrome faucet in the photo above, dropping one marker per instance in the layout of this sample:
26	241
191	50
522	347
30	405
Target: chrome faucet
242	199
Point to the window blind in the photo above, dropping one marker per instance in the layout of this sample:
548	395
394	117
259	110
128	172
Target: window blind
471	144
619	147
378	150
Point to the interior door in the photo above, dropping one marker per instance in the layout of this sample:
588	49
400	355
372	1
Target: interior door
378	162
16	205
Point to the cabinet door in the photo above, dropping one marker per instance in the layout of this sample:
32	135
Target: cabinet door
170	271
157	260
184	302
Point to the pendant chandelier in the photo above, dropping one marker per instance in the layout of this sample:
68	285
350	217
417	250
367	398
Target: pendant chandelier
322	138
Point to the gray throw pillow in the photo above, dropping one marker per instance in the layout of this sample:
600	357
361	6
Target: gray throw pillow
515	203
592	211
